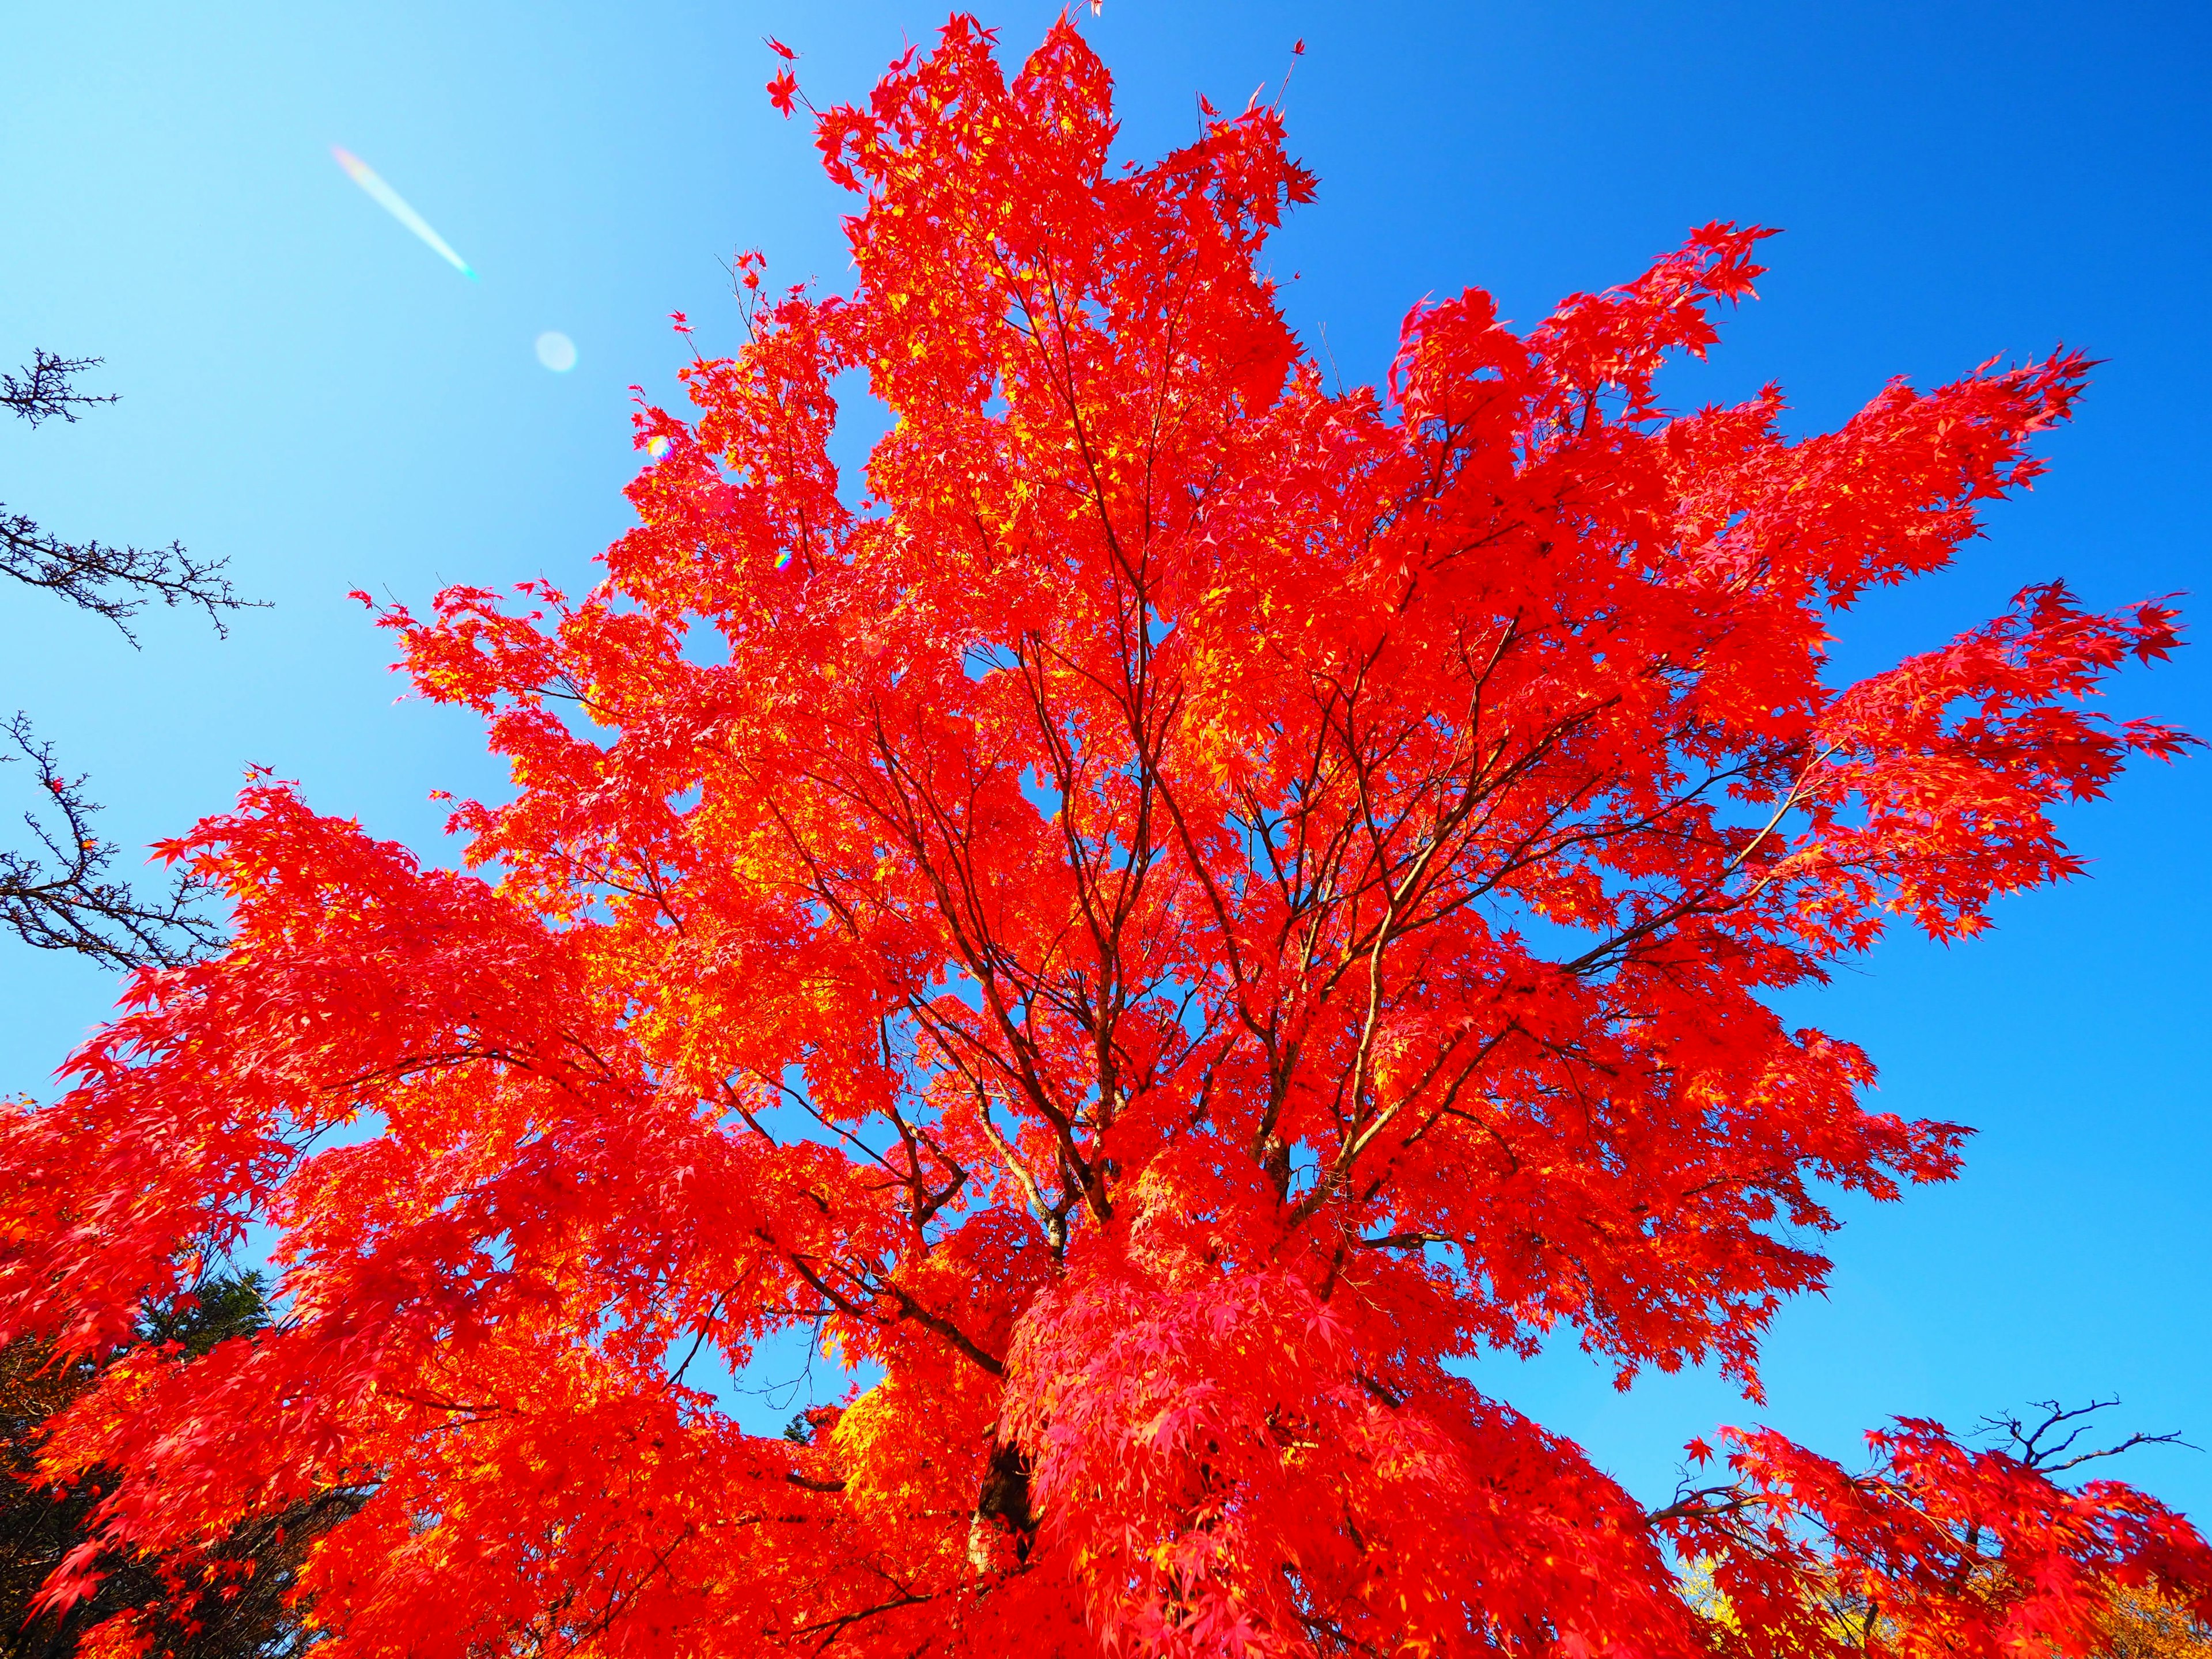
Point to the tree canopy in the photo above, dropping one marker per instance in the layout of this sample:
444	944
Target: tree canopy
1172	913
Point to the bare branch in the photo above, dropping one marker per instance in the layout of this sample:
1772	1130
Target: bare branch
66	900
47	393
2048	1446
114	582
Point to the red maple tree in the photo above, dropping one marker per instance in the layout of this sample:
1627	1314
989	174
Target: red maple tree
1181	909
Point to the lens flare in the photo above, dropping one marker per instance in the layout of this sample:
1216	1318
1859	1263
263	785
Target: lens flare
657	445
393	203
557	351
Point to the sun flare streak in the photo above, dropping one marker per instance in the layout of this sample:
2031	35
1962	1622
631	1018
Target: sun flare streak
395	204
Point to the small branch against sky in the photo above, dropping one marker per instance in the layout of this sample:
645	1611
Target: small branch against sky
116	583
47	390
783	87
65	899
113	582
2046	1436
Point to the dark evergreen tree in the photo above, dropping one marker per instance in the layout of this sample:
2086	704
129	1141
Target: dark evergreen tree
240	1612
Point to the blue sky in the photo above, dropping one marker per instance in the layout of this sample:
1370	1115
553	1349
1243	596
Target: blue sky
313	393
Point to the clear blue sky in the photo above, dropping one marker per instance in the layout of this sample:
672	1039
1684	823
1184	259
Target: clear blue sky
313	392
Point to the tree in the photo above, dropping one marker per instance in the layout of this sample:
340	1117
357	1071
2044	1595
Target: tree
229	1604
66	900
1178	911
2144	1623
1925	1548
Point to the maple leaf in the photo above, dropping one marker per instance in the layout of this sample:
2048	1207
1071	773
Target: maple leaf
783	92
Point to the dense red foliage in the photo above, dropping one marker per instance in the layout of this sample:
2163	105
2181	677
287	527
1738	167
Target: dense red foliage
1190	907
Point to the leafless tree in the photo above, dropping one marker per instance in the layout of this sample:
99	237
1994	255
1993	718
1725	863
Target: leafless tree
57	892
